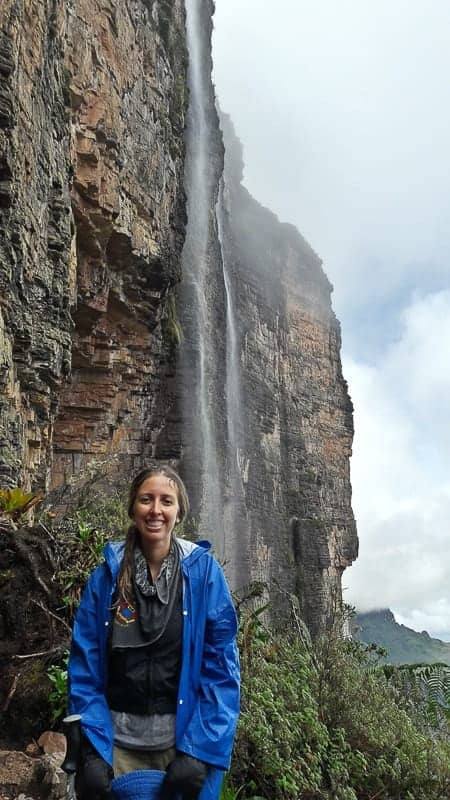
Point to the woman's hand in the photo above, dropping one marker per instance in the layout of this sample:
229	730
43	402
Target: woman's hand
94	776
185	775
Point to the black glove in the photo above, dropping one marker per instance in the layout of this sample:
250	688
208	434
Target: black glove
94	776
185	775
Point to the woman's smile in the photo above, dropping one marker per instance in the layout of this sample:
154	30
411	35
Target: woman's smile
156	511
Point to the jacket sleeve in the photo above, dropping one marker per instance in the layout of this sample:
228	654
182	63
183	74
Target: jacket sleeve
87	665
210	731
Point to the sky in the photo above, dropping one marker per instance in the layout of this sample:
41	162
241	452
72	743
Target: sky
343	110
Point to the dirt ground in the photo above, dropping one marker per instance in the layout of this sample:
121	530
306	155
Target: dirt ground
19	776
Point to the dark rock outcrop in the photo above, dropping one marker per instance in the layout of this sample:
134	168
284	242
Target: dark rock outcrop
296	425
266	417
92	106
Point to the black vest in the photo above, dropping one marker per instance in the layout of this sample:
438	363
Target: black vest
144	679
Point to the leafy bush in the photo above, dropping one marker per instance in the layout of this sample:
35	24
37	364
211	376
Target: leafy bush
426	690
57	675
322	722
280	740
82	537
14	503
401	759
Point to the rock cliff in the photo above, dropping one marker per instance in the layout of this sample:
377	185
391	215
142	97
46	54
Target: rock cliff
296	416
92	109
95	234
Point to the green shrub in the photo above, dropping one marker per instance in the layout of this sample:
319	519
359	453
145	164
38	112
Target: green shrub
401	759
57	675
82	537
280	740
426	689
14	503
321	722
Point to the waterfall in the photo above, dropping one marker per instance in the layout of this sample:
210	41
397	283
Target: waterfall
210	366
233	382
235	512
198	356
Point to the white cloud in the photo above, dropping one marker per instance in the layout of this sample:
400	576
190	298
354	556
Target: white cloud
434	617
401	470
419	363
342	111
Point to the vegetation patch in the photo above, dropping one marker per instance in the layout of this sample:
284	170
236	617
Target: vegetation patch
45	565
323	721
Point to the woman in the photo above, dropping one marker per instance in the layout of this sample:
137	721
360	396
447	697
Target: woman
153	669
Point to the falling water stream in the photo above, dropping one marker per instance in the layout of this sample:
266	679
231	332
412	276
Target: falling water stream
235	515
222	506
199	187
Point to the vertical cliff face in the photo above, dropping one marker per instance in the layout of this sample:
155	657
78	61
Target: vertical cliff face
94	168
35	236
201	295
92	107
295	416
266	418
127	63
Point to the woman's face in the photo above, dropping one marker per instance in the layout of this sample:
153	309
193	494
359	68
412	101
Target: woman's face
156	511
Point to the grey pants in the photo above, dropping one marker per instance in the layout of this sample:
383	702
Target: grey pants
129	760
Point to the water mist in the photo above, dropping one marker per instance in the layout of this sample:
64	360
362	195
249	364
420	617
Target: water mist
198	356
210	359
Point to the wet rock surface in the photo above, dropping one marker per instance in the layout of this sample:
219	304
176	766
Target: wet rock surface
296	421
92	105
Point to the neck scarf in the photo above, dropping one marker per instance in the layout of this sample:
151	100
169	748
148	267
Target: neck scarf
155	600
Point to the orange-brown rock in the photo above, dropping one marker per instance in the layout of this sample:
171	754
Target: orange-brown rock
92	105
53	742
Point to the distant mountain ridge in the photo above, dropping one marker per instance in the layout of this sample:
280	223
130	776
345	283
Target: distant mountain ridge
404	645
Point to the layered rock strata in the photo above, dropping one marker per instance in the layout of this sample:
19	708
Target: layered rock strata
92	107
296	425
293	527
35	236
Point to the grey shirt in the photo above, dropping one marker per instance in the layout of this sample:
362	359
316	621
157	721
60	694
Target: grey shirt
144	731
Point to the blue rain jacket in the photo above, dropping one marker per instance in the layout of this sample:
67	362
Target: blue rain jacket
208	695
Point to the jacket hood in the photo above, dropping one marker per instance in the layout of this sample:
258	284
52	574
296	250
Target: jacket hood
190	552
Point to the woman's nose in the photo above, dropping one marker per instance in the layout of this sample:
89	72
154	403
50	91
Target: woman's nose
156	506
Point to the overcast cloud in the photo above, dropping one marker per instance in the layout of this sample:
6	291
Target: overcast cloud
343	111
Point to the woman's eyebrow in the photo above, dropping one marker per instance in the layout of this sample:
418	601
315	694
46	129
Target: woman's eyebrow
164	495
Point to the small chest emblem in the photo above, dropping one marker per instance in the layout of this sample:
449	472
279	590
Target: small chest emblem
125	613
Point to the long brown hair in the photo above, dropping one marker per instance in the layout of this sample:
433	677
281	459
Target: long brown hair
124	580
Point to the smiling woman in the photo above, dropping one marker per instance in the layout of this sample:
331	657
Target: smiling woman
154	669
155	509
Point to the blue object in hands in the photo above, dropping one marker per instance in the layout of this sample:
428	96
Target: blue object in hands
141	784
